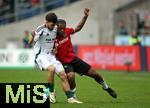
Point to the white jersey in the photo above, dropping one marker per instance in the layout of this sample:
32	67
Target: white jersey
44	39
44	43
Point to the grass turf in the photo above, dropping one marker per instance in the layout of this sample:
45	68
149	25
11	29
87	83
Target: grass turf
133	88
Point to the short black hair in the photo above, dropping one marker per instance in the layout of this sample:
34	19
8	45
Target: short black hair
51	17
61	21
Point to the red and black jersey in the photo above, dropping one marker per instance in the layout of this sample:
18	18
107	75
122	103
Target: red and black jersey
65	52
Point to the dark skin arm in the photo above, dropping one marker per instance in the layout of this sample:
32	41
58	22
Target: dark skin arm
82	22
79	26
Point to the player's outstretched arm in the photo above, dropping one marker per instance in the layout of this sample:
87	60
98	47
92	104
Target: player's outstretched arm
82	22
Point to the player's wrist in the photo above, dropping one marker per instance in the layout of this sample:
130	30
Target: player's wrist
85	16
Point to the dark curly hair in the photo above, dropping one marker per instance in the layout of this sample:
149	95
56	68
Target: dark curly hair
51	17
61	21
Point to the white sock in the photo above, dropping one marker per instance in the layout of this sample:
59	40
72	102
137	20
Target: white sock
70	98
73	90
104	85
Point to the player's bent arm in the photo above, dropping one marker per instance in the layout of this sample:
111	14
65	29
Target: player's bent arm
82	22
54	51
32	38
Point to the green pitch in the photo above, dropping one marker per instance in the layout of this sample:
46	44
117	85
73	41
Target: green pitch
133	89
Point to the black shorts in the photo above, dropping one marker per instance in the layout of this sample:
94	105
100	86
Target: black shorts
77	65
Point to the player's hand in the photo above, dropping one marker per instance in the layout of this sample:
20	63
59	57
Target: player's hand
86	11
54	51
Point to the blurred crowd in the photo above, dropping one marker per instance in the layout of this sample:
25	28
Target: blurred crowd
15	10
143	28
139	32
7	8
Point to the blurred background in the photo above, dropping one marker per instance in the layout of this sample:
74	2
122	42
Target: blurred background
116	35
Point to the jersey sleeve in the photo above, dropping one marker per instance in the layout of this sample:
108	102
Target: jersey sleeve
38	32
71	30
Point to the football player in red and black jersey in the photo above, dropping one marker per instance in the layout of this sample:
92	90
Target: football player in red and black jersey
72	63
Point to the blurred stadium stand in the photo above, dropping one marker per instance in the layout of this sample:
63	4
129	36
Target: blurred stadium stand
135	16
17	10
101	27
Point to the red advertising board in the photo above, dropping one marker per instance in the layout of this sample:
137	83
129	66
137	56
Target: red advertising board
148	58
111	57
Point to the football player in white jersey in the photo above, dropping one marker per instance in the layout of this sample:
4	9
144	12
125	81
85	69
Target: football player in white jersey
44	37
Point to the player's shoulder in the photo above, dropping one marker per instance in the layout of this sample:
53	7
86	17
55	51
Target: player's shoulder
41	27
69	30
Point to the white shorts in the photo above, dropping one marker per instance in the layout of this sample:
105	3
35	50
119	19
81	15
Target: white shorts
45	60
